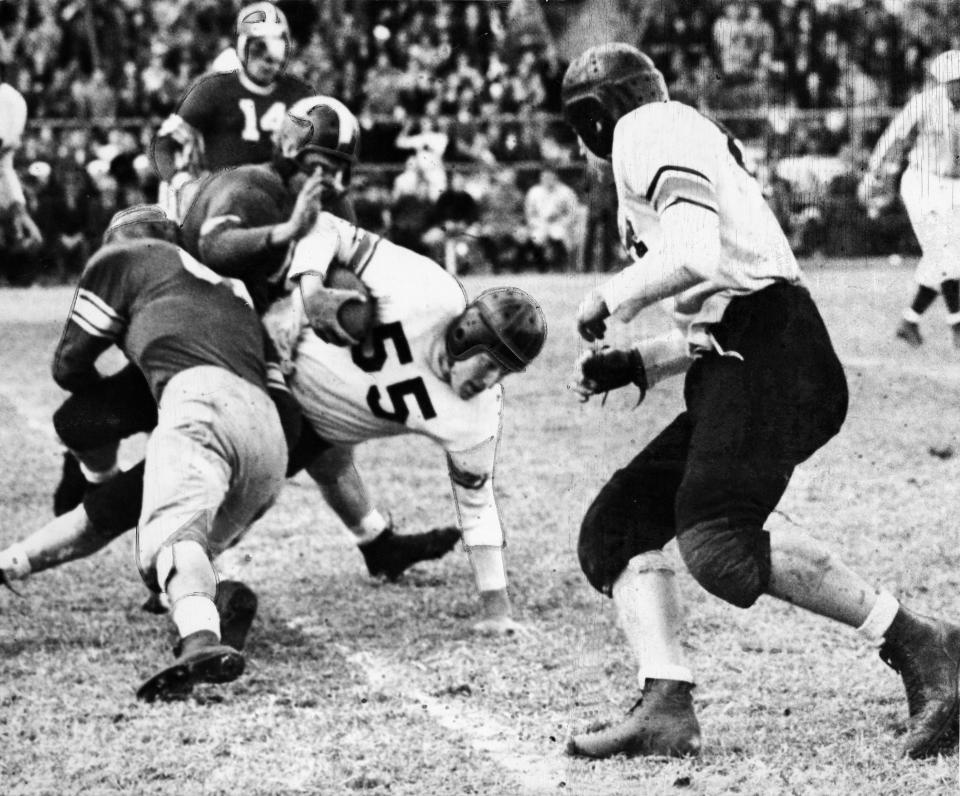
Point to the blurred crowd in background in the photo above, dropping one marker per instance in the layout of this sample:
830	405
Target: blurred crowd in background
459	106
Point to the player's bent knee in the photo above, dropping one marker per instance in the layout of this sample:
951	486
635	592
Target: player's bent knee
606	544
189	561
730	561
157	535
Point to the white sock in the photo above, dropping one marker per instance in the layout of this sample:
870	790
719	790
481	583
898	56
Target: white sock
880	618
648	607
953	318
14	562
370	527
489	569
99	476
195	612
910	315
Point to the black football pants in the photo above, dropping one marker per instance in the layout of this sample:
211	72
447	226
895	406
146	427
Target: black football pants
712	477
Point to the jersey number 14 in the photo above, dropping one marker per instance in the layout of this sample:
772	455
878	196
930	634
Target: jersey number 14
270	121
371	356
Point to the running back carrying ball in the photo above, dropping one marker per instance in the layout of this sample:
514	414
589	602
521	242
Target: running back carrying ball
356	317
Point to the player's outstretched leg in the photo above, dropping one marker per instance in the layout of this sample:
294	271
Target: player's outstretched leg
926	652
391	554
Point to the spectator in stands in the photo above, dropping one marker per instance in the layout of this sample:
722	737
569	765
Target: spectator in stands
382	85
415	192
455	217
550	209
95	99
501	228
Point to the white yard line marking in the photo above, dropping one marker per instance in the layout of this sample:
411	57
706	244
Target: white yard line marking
529	768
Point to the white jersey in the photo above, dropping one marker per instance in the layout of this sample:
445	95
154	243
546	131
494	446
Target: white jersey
927	131
391	384
693	219
13	120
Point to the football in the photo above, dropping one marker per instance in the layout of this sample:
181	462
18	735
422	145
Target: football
356	317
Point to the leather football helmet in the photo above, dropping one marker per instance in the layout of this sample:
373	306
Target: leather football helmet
504	322
263	21
603	84
318	124
141	221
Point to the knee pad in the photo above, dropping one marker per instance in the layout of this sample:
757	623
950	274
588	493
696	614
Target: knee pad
730	561
189	560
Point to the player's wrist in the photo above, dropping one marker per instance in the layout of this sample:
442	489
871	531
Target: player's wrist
280	234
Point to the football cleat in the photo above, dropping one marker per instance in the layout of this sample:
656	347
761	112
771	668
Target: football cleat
72	487
8	582
390	554
926	654
237	606
203	659
661	723
910	333
955	334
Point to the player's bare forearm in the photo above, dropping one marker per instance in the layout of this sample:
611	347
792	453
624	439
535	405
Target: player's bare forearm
236	252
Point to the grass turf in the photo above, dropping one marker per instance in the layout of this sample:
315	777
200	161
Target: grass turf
354	685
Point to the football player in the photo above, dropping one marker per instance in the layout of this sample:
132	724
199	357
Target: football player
240	224
228	223
925	135
17	228
764	390
228	118
216	459
432	365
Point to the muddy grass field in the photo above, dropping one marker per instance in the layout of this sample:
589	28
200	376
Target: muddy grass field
358	686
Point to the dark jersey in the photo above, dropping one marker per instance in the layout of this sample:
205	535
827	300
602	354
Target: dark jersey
227	227
224	120
166	312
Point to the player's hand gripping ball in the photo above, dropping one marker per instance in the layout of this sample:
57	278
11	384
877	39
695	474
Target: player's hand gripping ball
355	315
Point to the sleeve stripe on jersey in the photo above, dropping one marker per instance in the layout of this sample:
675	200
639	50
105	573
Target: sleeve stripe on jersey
688	187
683	199
95	321
100	304
211	224
663	170
275	379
